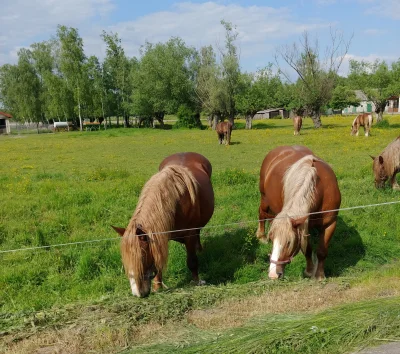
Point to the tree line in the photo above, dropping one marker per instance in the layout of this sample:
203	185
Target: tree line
55	80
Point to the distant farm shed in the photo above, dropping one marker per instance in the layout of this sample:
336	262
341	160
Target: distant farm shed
272	113
4	123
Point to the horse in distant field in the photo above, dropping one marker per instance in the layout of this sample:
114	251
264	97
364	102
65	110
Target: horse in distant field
365	120
387	165
179	197
297	123
224	131
293	184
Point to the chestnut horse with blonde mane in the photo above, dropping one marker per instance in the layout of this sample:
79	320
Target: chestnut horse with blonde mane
224	131
293	184
297	123
365	120
387	165
179	197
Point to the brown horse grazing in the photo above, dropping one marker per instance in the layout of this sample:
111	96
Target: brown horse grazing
179	197
293	183
297	123
387	165
224	131
365	120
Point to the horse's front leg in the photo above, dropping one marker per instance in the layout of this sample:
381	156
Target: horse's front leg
262	215
307	251
322	252
393	182
158	283
191	258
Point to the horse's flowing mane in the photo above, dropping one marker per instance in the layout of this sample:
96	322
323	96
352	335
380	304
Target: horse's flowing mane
391	156
155	215
299	196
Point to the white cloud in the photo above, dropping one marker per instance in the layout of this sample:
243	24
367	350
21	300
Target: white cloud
199	24
325	2
344	68
22	21
385	8
374	32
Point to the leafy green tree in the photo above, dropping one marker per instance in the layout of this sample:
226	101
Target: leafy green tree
209	87
377	80
342	97
258	91
117	71
164	79
71	64
230	69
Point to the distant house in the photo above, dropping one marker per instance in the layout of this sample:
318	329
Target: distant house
365	105
272	113
4	123
392	105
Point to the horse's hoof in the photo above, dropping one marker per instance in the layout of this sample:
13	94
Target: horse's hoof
262	238
308	274
396	187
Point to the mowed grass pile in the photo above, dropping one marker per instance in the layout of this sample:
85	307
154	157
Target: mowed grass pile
69	187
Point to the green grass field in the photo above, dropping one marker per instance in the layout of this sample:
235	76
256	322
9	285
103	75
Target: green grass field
69	187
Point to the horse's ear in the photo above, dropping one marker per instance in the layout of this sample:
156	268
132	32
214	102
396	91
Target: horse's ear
372	157
380	159
299	221
119	230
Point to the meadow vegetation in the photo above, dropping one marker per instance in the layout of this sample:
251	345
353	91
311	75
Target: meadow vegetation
70	187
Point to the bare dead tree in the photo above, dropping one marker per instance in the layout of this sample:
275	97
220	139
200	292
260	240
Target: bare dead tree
316	73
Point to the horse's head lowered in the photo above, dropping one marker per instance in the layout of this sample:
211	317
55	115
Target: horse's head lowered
287	236
138	260
380	173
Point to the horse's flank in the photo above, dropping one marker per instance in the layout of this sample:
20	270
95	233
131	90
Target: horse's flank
155	215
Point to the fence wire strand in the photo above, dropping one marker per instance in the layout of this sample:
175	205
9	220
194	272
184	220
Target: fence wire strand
240	223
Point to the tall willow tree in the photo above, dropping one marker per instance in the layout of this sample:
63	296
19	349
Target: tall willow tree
72	59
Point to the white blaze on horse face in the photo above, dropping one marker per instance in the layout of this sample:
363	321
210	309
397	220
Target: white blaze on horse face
276	251
135	290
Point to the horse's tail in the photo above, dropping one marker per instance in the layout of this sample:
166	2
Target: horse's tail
370	119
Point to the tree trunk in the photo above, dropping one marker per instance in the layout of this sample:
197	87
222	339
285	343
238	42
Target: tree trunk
210	119
160	119
379	116
316	118
79	111
249	121
217	119
231	118
126	121
117	121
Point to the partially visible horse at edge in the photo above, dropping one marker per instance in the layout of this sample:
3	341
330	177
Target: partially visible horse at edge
224	131
180	196
297	123
293	184
387	165
365	120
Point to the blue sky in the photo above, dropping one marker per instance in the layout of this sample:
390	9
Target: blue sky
262	25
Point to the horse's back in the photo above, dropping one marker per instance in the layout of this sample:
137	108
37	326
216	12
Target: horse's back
191	160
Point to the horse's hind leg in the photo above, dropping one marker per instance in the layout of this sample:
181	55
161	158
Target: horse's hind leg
191	257
322	252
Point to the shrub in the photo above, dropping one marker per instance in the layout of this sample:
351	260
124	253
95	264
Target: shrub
187	118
